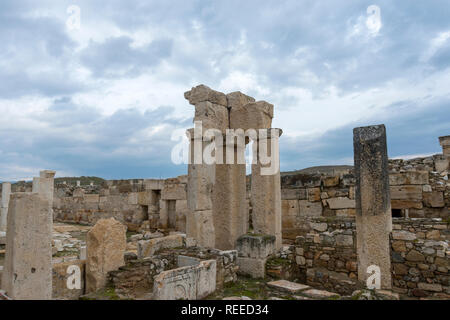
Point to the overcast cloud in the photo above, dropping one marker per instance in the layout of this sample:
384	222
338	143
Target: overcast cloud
105	99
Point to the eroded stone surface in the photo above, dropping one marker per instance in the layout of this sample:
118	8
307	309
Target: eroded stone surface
106	245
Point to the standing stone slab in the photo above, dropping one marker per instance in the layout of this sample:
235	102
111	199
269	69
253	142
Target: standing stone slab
44	185
266	194
373	218
106	245
186	283
229	201
6	192
27	273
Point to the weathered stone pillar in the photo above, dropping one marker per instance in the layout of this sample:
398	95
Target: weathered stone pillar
229	197
373	205
6	192
106	244
445	143
266	188
201	176
44	185
27	273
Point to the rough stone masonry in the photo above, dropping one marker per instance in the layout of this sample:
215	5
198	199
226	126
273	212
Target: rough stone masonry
373	208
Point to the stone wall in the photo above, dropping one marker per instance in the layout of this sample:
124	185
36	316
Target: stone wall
419	188
326	257
138	203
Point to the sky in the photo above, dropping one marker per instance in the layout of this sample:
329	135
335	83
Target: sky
96	88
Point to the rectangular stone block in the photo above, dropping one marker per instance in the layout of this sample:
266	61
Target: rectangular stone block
91	198
148	248
310	209
409	178
27	273
186	283
61	278
6	192
186	261
174	192
255	246
373	202
293	194
406	192
255	268
406	204
341	203
434	199
200	226
254	115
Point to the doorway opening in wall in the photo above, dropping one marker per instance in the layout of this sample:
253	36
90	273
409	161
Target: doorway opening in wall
397	213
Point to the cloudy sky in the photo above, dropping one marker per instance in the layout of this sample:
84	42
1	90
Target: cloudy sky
104	99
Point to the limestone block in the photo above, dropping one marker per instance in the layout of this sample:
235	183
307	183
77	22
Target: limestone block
186	261
200	226
314	194
373	202
341	203
133	198
182	211
331	181
230	212
445	143
61	276
441	165
153	184
310	209
6	192
147	248
406	204
255	268
91	198
237	100
203	93
186	283
293	194
106	245
406	192
290	208
174	192
255	246
287	286
344	240
403	235
145	198
434	199
212	116
27	273
254	115
409	178
206	278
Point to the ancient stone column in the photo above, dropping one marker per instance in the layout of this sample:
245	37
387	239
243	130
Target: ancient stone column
266	187
445	143
27	273
201	177
373	205
106	244
229	196
44	185
6	192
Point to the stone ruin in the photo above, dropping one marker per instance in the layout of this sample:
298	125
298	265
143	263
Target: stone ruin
318	233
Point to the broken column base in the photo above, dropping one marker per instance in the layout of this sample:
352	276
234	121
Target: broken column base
253	251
